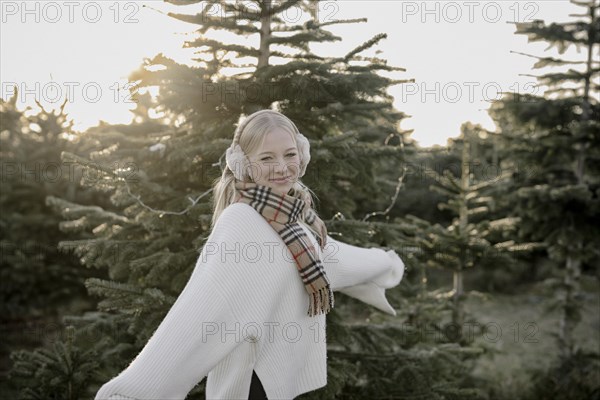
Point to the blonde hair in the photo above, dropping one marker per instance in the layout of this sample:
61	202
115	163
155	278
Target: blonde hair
250	135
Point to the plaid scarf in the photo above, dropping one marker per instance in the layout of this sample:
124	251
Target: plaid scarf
282	212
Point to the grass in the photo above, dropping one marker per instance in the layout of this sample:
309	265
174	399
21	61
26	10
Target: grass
523	334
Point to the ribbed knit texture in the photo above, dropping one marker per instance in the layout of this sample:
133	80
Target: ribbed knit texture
220	326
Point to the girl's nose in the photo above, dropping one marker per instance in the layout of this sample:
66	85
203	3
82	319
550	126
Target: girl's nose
281	171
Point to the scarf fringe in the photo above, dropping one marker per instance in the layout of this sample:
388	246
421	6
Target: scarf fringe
321	301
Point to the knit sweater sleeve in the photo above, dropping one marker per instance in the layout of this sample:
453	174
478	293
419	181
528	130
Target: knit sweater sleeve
188	343
362	273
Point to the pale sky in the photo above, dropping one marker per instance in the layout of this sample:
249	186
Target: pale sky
457	52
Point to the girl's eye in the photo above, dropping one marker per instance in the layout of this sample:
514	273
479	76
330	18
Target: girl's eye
289	154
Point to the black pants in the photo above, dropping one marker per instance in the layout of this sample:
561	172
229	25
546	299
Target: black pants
257	392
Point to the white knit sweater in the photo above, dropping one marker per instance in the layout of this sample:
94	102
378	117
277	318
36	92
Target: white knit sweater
245	308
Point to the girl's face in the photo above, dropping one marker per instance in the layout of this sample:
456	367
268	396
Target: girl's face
276	163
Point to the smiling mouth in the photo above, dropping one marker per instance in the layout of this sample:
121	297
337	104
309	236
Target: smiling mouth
280	180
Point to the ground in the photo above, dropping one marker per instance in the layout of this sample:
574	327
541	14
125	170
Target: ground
525	334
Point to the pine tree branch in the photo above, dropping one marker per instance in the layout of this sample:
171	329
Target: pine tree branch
302	39
545	61
164	212
72	210
217	45
207	22
364	46
340	21
282	7
66	156
587	4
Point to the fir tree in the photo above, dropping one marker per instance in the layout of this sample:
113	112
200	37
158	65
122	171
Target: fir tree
464	244
552	142
39	283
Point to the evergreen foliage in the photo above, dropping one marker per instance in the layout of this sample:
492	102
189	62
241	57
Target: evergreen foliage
552	145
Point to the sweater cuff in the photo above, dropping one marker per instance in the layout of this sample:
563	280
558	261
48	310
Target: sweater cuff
373	292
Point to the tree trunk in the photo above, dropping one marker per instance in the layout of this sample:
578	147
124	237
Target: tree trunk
569	318
457	311
265	35
570	313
